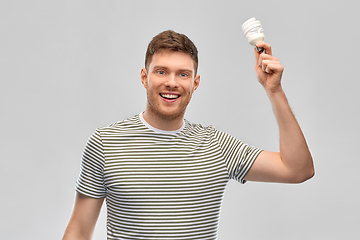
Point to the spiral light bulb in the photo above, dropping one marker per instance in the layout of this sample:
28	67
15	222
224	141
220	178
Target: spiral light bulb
253	31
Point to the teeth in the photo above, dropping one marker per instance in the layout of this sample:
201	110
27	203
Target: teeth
169	96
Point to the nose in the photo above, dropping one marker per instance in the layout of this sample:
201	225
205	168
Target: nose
171	81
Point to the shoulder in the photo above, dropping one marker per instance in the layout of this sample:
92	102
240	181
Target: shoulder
196	129
197	126
213	133
125	125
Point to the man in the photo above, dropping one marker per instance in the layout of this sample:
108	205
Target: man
164	177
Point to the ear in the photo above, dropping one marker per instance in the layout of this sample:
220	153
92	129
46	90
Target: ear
196	82
144	77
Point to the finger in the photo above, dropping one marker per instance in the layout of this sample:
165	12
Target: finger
264	57
257	56
272	67
266	46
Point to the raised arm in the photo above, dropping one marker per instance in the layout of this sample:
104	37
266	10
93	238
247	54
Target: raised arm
83	219
293	164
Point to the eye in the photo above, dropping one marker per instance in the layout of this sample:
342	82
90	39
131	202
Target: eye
161	72
183	75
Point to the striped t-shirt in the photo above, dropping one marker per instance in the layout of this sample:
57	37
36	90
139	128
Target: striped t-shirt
158	184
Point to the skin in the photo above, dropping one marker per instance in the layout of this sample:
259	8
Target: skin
168	73
173	73
293	164
83	219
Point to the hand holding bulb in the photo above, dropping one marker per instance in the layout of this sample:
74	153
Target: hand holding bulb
268	68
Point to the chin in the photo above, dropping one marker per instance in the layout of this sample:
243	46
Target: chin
170	114
166	112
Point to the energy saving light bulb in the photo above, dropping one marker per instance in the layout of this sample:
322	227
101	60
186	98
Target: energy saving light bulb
253	31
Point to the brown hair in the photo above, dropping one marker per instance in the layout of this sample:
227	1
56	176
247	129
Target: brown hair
172	41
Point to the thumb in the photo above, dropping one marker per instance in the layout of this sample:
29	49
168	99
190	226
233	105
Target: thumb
257	56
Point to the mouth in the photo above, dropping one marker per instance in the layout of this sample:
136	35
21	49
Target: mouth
169	96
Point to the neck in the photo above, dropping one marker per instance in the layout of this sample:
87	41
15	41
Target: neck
163	122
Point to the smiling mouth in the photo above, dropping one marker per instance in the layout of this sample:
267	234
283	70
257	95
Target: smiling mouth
169	96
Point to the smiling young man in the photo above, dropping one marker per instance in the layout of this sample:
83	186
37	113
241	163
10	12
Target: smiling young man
170	81
164	177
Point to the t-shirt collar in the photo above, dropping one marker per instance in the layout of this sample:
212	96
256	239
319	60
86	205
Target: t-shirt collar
159	130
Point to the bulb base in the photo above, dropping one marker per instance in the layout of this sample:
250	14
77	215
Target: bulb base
255	38
259	49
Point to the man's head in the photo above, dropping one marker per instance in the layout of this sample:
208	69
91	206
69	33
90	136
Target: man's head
170	40
170	79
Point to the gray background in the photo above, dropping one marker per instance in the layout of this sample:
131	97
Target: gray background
68	67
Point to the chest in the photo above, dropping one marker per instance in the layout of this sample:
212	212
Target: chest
137	166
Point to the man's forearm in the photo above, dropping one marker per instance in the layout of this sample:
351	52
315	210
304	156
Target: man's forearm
71	233
294	150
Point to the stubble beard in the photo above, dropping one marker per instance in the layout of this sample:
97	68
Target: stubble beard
156	109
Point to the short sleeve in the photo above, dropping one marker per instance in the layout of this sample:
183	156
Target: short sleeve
91	177
238	156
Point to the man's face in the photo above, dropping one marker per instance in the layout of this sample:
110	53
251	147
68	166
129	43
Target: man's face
170	81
